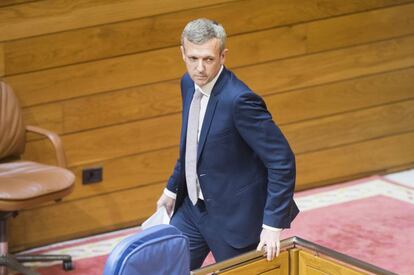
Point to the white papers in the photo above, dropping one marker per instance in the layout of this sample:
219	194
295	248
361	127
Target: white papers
159	217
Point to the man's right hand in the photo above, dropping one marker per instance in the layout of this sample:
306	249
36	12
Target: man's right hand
167	202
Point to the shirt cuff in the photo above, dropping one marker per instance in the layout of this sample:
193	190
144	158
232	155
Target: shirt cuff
170	194
272	228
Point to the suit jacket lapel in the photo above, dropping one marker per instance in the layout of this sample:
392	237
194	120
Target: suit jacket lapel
186	110
211	107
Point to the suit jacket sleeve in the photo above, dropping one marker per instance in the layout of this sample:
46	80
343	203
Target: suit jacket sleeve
255	125
174	179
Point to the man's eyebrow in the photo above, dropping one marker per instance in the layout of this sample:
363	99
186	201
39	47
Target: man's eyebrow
203	57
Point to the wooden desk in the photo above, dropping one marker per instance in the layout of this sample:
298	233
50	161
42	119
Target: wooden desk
297	257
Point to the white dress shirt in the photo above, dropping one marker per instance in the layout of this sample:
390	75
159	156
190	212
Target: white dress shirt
206	92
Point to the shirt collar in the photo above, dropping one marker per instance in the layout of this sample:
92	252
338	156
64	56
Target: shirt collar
208	88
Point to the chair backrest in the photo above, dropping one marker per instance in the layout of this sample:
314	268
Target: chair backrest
12	129
161	249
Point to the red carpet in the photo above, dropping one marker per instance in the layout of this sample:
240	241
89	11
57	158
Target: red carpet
377	230
370	219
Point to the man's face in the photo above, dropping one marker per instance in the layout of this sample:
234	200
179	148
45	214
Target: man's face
203	61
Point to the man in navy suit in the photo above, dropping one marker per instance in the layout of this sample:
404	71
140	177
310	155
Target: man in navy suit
234	192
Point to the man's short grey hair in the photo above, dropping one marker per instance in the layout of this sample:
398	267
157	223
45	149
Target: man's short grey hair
202	30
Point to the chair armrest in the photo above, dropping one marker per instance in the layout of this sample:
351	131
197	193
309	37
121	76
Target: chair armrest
54	139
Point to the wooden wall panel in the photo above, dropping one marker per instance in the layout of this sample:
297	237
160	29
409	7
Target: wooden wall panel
278	266
111	142
342	129
145	68
107	109
343	96
2	61
354	160
145	168
154	134
86	216
50	16
316	69
141	69
311	263
360	28
127	105
128	37
68	82
5	3
336	75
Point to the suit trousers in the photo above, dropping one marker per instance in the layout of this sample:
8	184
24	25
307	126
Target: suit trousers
195	223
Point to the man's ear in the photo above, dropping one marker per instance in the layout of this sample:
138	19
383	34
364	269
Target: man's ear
182	52
223	56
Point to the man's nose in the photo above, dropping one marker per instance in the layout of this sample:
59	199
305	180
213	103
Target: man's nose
200	66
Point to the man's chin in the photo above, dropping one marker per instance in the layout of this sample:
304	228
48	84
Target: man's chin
200	81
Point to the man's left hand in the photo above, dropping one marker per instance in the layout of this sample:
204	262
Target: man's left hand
271	241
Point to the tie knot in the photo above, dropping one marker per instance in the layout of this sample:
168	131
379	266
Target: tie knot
198	94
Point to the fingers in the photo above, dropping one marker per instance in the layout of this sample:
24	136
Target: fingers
271	252
277	249
169	208
161	201
260	246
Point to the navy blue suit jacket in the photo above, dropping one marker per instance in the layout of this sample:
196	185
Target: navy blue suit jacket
245	166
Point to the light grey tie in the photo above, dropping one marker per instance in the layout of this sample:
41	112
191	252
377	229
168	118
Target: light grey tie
191	147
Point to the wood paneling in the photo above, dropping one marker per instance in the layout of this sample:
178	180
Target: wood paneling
316	69
164	31
128	172
69	219
2	62
60	15
149	101
337	130
294	261
310	264
154	134
279	266
354	160
126	38
144	168
343	96
118	39
148	67
112	142
360	28
68	82
107	109
4	3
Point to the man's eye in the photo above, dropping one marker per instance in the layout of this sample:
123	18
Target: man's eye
209	60
193	59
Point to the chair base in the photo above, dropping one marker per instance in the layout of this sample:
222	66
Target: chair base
10	262
14	262
66	260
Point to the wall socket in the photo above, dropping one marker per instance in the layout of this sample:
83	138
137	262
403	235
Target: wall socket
92	175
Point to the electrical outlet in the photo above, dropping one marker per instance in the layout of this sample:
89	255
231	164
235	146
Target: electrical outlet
92	175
